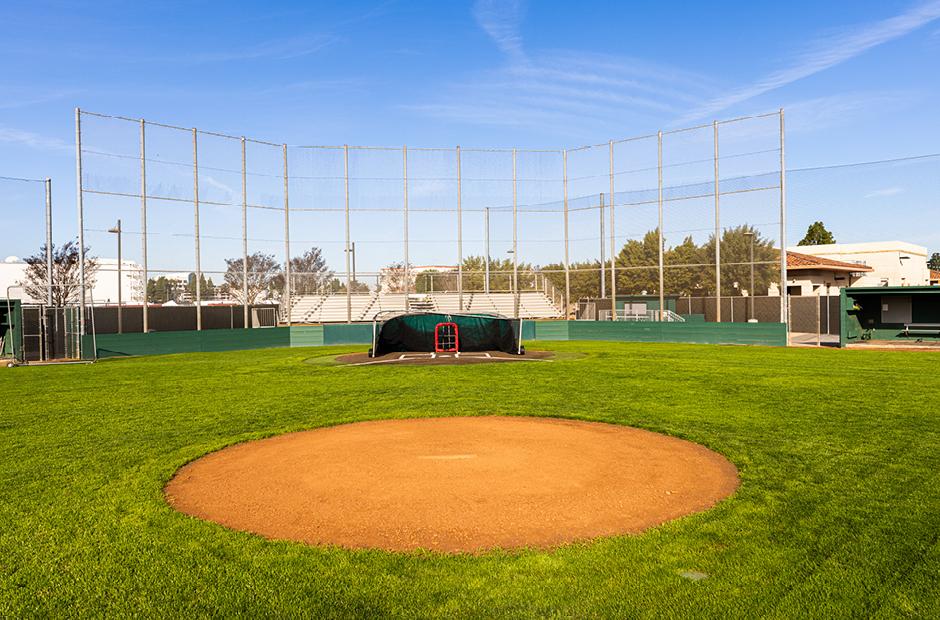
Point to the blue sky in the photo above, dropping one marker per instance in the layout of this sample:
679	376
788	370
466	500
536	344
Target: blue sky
857	78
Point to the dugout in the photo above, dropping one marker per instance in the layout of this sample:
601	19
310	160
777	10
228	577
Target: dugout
438	332
898	313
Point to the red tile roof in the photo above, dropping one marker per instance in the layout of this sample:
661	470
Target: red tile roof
797	261
934	275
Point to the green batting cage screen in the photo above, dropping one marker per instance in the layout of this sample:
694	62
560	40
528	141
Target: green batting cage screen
423	332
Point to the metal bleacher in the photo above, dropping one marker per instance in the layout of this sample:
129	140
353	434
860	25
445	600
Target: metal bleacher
332	308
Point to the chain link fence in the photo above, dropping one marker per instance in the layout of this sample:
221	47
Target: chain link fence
205	217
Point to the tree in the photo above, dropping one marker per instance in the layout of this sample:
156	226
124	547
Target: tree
817	234
162	289
735	261
638	266
434	280
336	286
393	278
584	278
66	274
206	287
683	273
934	262
688	268
264	276
309	273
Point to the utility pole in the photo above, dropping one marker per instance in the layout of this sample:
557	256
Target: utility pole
486	238
750	292
603	262
117	230
353	261
49	267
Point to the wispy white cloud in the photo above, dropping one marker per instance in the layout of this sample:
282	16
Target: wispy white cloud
824	54
888	191
228	193
306	87
33	140
279	49
820	113
20	98
501	20
575	90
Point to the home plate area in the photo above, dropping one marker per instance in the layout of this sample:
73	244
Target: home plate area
436	358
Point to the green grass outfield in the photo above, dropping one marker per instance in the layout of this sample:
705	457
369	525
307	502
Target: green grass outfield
838	514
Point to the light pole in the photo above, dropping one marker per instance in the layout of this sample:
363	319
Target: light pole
486	239
117	230
49	268
351	252
750	293
603	260
353	261
513	285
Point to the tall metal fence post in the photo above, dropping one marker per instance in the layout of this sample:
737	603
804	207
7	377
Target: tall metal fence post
603	263
818	322
783	229
407	282
659	171
245	309
789	318
287	286
81	221
486	250
143	224
196	231
613	240
717	229
47	184
515	241
120	260
459	237
348	266
567	274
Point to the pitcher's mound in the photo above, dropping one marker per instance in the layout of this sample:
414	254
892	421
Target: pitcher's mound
453	484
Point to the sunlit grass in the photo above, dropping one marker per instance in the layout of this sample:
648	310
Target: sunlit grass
838	514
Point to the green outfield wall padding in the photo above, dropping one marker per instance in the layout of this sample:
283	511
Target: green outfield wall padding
769	334
162	343
306	336
551	330
356	333
528	330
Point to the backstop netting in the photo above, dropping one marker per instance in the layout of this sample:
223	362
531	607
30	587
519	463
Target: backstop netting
682	222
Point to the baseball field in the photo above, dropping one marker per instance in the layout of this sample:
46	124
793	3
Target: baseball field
837	512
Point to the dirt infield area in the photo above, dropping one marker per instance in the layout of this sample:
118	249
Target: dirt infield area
442	359
453	484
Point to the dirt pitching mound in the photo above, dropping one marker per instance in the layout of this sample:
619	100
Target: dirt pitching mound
453	484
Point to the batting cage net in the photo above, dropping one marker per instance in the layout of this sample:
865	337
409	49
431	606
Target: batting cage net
427	331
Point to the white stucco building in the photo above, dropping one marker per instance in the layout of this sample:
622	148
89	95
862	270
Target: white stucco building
824	269
105	289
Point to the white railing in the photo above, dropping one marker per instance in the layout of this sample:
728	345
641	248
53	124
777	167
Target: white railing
650	316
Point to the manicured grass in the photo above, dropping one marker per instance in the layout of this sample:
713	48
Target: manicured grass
838	514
